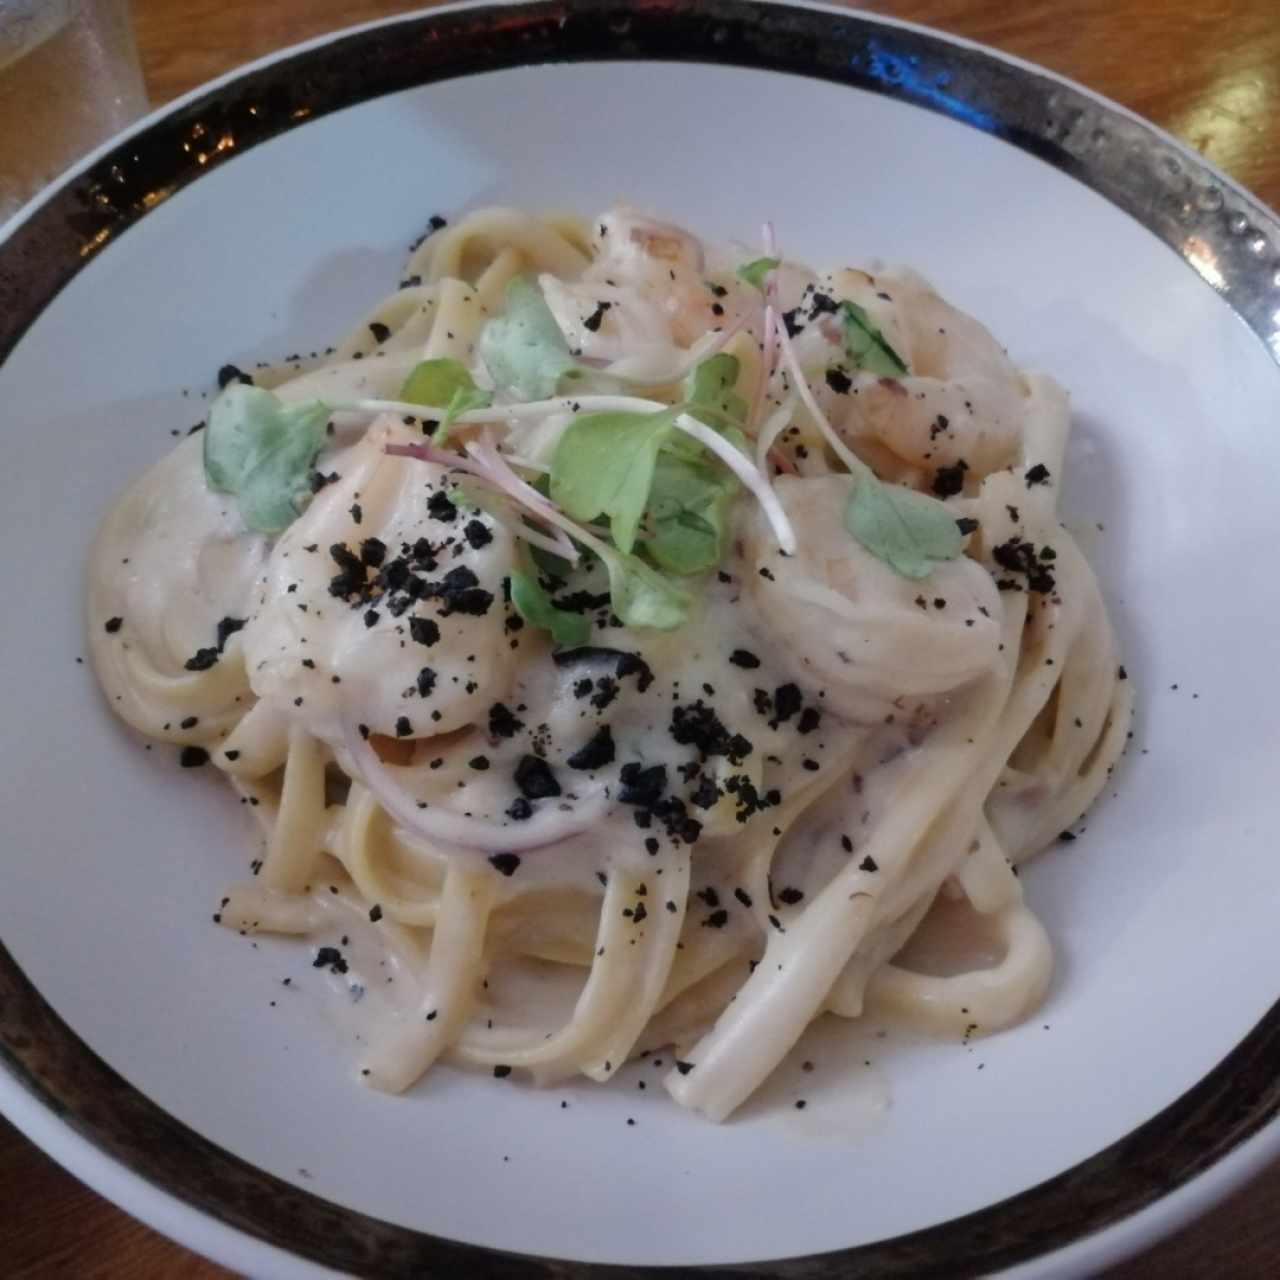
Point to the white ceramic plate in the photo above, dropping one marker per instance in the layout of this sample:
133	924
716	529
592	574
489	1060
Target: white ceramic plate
258	217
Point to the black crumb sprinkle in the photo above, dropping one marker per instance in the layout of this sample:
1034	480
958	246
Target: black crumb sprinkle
839	381
193	757
201	660
501	1071
424	630
503	722
948	481
229	374
596	753
1039	474
505	862
535	779
112	625
478	534
440	508
375	912
330	958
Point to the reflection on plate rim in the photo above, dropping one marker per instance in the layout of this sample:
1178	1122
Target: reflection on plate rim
1217	1133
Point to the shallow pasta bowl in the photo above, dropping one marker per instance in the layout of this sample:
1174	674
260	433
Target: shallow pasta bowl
257	217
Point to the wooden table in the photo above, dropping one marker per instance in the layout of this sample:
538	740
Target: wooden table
1207	70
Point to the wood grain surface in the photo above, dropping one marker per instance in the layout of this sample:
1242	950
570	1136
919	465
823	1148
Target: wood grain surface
1206	70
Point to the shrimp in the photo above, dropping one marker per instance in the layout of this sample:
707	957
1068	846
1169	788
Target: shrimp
646	298
845	621
962	401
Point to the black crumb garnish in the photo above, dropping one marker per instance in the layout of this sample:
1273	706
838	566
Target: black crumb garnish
403	727
716	920
967	525
501	1071
742	896
505	862
112	625
227	627
503	722
1017	555
787	701
839	381
357	512
535	779
592	322
440	508
520	810
435	223
948	481
424	630
810	719
479	763
229	373
201	660
1039	474
426	682
379	330
684	1067
330	958
375	912
641	786
1066	836
744	658
790	896
868	864
596	753
193	757
478	534
706	794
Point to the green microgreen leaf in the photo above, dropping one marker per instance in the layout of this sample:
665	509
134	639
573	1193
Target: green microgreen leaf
755	271
688	510
641	596
523	349
603	465
910	531
533	604
866	345
709	393
263	451
444	383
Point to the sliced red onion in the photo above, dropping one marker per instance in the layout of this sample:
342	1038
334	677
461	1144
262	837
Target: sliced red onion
549	824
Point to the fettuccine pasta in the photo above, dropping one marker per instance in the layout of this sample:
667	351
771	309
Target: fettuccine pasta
684	629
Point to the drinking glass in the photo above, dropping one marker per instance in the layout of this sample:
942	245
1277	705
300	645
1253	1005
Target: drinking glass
69	77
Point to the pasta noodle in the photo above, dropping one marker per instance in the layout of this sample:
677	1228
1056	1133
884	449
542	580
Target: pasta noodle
813	669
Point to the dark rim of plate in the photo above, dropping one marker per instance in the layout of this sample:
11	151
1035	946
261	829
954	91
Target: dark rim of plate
1225	235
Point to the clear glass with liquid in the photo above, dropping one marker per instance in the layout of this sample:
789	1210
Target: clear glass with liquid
69	77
